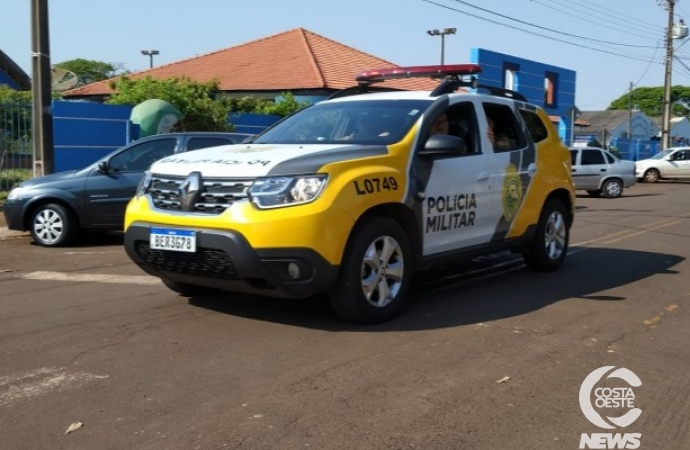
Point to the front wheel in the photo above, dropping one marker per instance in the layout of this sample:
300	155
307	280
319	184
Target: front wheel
613	188
53	225
652	176
550	244
375	273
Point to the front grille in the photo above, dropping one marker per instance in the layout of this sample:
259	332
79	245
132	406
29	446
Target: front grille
204	262
215	197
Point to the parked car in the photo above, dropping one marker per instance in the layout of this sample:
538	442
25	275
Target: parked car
669	163
56	207
599	172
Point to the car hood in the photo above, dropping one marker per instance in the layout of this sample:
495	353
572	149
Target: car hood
256	160
49	179
644	162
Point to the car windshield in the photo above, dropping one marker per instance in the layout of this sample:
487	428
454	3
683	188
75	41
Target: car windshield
661	154
349	121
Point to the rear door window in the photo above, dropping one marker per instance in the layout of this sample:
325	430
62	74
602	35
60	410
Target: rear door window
592	157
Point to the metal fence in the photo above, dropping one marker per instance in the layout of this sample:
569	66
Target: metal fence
636	149
16	149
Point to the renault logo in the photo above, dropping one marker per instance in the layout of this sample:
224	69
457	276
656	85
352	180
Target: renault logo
190	190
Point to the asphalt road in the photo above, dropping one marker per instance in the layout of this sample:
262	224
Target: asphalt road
489	355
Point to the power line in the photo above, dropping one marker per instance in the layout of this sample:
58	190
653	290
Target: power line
614	12
589	20
629	56
546	28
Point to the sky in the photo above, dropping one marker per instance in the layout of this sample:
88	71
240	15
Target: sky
608	43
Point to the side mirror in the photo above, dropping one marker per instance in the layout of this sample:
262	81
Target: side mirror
444	145
103	167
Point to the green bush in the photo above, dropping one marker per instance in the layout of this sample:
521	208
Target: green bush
11	177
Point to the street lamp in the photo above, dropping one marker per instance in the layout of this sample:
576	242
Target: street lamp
443	33
150	54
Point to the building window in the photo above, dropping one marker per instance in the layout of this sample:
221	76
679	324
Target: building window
550	89
510	76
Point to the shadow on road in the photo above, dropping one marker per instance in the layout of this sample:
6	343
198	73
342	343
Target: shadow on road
468	293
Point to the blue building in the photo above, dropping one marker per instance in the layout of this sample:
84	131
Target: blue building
551	87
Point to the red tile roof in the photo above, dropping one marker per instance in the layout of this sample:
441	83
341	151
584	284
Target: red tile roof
297	59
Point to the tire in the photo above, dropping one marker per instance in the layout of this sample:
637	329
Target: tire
612	188
652	176
184	289
550	244
375	274
595	193
53	225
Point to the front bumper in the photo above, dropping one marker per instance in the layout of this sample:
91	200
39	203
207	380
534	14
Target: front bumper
224	260
13	211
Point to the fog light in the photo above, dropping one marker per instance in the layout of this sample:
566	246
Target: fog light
293	270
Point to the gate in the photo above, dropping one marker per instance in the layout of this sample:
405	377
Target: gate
16	149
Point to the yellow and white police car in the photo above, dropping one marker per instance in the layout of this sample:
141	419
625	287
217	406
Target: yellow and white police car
353	194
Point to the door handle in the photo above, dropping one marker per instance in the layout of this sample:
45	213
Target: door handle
483	176
603	170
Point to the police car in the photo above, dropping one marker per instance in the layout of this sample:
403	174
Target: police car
353	194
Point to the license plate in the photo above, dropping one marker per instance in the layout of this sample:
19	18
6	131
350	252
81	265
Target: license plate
175	240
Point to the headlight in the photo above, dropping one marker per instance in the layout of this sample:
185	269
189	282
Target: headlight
14	193
144	184
286	191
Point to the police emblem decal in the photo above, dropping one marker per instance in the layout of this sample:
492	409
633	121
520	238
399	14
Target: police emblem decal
511	193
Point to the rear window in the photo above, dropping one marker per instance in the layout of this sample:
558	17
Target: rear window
535	126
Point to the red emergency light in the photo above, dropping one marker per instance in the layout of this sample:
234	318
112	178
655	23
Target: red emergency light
392	73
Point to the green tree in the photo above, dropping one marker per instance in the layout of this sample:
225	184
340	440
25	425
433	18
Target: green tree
650	101
8	94
195	100
203	107
285	106
89	71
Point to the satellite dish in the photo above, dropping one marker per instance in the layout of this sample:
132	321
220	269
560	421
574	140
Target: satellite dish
62	79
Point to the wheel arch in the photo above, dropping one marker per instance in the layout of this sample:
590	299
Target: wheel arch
31	208
401	214
610	178
564	196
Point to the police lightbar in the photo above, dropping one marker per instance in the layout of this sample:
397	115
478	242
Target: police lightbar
391	73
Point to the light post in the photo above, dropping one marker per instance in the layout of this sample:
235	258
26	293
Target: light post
150	54
443	33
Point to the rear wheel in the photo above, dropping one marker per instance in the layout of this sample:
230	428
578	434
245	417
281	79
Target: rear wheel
375	273
652	176
613	188
53	225
550	244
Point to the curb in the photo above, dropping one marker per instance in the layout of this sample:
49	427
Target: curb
6	234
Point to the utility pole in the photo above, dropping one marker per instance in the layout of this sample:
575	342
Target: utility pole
630	111
666	114
41	90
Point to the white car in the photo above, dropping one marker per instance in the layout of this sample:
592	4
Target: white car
670	163
599	172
